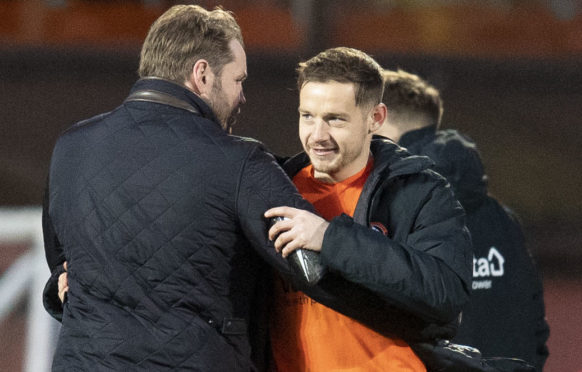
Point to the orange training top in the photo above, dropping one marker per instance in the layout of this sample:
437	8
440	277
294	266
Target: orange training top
307	336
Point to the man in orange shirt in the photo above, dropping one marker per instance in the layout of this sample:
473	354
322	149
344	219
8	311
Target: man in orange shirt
396	246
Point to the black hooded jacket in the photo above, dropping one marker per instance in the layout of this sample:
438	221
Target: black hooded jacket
401	265
505	316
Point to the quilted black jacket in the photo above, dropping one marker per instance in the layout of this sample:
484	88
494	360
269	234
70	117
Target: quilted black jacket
506	314
158	213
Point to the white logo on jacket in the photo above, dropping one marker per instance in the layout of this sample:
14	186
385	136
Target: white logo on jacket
486	267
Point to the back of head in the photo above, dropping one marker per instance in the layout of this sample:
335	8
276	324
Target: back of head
183	35
345	65
412	102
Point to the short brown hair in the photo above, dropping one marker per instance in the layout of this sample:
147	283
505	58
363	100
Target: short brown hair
185	34
408	93
345	65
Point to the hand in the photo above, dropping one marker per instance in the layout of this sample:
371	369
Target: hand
63	284
300	229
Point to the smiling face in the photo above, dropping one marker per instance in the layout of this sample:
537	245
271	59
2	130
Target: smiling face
334	132
227	94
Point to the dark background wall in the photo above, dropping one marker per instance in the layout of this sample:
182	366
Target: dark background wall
510	79
525	116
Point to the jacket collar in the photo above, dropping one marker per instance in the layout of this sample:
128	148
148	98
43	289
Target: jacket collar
178	91
418	137
457	159
390	161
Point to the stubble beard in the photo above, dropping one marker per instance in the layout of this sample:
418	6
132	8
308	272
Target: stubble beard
334	165
224	113
326	166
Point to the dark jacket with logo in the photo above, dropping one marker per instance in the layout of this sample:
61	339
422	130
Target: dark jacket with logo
505	316
402	264
159	214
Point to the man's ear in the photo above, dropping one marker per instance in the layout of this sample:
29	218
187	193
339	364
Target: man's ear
201	79
379	113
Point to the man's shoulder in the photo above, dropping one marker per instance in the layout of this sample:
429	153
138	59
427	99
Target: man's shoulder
86	123
246	141
242	146
249	153
392	161
79	129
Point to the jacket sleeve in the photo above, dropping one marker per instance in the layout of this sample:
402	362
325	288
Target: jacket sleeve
427	273
264	185
533	282
540	326
542	329
55	258
528	280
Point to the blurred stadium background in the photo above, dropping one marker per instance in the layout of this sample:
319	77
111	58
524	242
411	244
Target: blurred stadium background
510	73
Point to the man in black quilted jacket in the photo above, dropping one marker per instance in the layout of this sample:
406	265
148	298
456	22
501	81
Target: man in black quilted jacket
158	212
506	315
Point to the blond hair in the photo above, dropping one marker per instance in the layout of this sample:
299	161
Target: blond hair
185	34
407	93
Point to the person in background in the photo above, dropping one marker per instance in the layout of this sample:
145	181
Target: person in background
395	231
506	313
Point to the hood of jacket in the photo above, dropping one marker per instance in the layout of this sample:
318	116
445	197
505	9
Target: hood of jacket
456	158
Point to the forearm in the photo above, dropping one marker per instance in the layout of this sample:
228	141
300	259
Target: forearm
372	310
409	279
265	185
